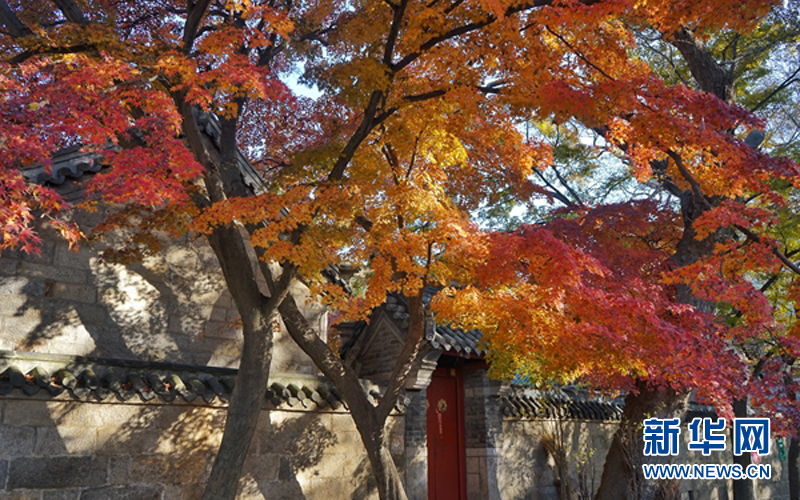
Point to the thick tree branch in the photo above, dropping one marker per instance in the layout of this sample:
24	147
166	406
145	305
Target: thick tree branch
15	27
343	376
709	74
71	11
697	193
394	31
361	133
197	11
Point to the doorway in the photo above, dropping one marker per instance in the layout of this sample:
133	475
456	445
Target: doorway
445	421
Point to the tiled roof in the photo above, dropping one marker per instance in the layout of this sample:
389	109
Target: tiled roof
68	163
123	380
530	404
442	336
522	403
452	339
72	163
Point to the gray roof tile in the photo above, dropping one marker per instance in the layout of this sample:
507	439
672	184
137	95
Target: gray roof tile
569	403
443	336
121	380
529	404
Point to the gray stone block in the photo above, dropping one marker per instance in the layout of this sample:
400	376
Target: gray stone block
3	474
71	494
57	472
119	470
12	304
22	495
19	285
55	273
8	266
77	293
69	258
64	440
16	441
135	492
168	469
46	249
27	413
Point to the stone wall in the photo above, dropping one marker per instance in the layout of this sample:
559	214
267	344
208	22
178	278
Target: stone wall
416	446
80	450
173	306
507	455
482	433
527	470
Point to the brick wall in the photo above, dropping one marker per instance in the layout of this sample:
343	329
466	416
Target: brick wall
506	458
526	470
78	450
416	446
173	306
483	434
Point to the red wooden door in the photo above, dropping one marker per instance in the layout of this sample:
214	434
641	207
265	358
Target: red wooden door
446	473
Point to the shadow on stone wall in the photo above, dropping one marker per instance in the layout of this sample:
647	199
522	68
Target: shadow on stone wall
173	306
90	451
531	470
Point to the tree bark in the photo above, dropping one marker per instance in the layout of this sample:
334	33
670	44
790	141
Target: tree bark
243	410
390	485
244	407
622	474
370	419
794	469
743	489
255	309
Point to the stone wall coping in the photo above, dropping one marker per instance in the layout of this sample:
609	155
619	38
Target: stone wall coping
109	380
97	380
521	403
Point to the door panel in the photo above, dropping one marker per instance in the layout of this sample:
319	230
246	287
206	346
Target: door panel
445	436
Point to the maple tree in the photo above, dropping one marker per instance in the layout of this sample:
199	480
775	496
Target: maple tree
419	126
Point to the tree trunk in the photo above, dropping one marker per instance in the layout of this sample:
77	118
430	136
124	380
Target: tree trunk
370	419
390	484
251	382
622	474
243	412
743	489
222	179
794	469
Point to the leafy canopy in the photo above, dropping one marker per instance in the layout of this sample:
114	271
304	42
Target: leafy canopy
420	124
